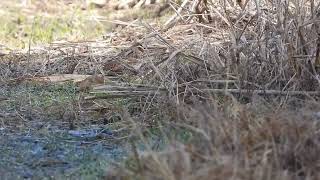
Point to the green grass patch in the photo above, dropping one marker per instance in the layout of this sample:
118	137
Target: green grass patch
19	29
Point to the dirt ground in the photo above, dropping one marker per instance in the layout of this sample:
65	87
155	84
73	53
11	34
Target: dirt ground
38	136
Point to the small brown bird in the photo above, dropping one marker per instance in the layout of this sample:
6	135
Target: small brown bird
89	82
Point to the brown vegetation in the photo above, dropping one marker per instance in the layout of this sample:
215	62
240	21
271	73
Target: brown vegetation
243	81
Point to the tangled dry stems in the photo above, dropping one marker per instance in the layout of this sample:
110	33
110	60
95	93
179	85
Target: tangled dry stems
237	136
255	141
250	143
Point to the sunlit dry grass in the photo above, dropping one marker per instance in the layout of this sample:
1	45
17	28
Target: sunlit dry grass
42	22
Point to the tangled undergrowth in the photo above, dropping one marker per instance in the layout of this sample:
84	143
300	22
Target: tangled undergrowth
233	97
256	142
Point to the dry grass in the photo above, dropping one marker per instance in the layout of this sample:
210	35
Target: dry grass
253	142
259	49
243	82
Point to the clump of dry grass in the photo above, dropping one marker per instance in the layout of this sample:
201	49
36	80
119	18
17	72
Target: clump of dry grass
267	48
242	142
